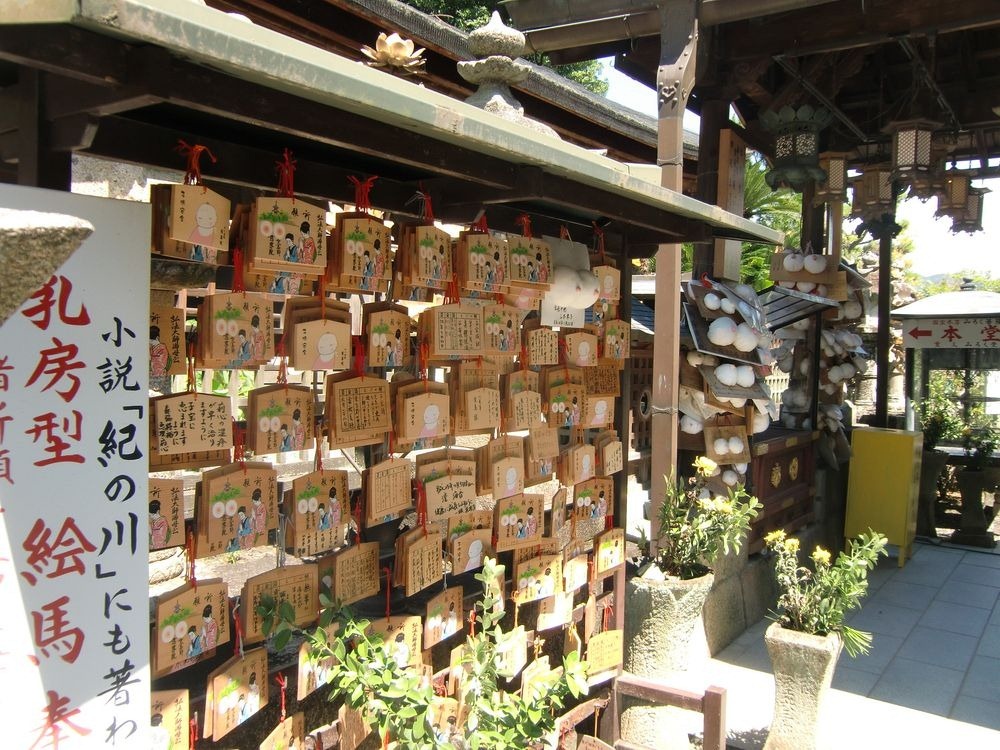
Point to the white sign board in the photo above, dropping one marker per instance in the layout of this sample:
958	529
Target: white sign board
74	360
560	316
952	333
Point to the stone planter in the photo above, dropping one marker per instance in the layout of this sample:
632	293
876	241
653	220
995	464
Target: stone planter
932	464
803	667
660	642
972	483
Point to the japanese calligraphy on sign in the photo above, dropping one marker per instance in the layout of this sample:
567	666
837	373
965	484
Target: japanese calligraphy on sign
951	333
166	513
168	719
74	367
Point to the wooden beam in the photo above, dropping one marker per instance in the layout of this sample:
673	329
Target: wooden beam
138	142
213	92
66	50
38	165
845	25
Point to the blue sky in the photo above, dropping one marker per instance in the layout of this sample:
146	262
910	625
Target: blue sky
936	249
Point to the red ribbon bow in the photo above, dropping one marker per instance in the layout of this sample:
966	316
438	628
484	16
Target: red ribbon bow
192	172
282	682
524	221
286	175
480	225
362	192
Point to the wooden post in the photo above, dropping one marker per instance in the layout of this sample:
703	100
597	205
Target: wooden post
674	80
38	165
883	338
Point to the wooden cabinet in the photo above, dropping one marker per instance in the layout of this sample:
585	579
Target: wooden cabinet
884	485
781	473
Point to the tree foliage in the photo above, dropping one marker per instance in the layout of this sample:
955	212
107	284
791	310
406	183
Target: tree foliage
471	14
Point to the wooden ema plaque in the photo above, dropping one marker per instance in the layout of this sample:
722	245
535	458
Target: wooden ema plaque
314	665
454	331
190	222
608	283
542	346
538	578
507	476
287	234
236	331
609	452
422	415
481	262
362	251
192	422
167	347
593	500
237	508
168	718
609	551
280	419
448	497
185	460
401	638
357	410
470	547
577	464
387	328
235	691
598	411
543	442
287	735
581	348
617	336
388	490
524	410
576	572
319	512
355	572
189	624
166	513
425	254
512	652
566	405
296	584
503	328
602	380
320	345
530	262
444	617
516	521
604	656
505	446
555	611
424	565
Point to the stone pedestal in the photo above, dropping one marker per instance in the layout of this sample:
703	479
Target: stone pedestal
803	667
661	643
973	532
933	463
32	246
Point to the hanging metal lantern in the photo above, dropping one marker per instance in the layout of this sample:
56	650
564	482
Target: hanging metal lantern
833	189
796	145
954	193
970	217
876	189
911	148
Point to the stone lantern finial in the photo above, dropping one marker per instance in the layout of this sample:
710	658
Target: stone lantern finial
497	45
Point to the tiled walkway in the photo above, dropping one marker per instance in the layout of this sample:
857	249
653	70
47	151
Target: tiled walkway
932	679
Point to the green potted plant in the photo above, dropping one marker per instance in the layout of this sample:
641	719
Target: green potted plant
399	700
809	630
665	600
973	479
938	421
